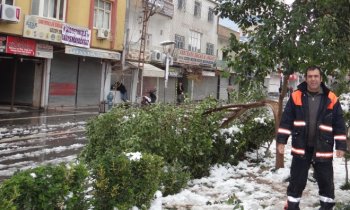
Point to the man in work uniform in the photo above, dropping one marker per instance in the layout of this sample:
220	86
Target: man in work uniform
314	118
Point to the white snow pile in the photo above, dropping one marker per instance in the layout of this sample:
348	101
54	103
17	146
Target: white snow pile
252	185
13	132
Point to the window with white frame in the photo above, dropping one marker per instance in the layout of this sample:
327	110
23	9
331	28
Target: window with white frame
210	49
102	14
210	15
181	4
148	40
54	9
9	2
194	42
197	9
179	41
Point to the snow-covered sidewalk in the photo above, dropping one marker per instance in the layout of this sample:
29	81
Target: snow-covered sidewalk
257	186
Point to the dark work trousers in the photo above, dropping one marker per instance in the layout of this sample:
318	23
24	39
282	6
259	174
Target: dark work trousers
299	173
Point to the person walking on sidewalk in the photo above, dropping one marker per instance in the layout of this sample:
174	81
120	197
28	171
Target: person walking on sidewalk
314	118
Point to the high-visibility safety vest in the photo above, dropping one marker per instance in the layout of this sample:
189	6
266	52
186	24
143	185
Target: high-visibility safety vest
330	124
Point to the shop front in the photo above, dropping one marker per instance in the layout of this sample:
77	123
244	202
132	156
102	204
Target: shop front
80	77
75	76
152	81
22	71
199	80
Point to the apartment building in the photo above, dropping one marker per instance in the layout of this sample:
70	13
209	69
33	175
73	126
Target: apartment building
59	53
185	32
147	24
194	30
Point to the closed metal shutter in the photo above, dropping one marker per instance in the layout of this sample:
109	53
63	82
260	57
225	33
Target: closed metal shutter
205	87
89	82
66	89
63	80
223	88
170	91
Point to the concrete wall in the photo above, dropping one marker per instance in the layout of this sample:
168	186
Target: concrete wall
17	28
158	27
185	21
79	13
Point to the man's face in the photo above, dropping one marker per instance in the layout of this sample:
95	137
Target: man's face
313	80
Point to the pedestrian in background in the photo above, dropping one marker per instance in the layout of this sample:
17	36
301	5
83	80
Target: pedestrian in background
180	92
123	93
314	118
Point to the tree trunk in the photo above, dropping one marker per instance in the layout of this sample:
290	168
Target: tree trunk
280	157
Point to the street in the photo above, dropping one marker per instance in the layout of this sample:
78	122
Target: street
33	138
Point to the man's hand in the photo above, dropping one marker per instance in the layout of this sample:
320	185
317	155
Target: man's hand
280	148
339	153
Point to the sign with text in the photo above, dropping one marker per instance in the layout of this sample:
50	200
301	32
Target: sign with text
194	58
105	54
41	28
76	36
20	46
44	51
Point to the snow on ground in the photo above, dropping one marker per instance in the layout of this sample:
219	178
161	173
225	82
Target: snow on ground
257	186
25	148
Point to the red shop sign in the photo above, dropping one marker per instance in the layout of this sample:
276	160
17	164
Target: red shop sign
21	46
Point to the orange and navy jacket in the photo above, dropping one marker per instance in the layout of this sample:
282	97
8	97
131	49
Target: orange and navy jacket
330	124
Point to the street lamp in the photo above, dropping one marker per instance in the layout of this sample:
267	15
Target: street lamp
168	48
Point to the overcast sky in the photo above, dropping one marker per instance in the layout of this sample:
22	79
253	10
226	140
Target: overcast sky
230	24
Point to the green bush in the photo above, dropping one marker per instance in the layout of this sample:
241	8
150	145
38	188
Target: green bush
176	133
174	178
45	187
227	147
230	145
122	182
177	143
258	131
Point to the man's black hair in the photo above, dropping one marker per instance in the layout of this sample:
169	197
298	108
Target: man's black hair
311	68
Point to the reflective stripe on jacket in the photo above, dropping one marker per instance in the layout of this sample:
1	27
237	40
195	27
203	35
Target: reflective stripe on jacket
330	124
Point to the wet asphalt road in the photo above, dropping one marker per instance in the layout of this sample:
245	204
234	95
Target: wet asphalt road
31	138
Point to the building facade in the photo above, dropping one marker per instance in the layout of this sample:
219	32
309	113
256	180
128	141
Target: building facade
226	83
57	54
183	32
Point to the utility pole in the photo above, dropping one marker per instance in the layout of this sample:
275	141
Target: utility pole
149	9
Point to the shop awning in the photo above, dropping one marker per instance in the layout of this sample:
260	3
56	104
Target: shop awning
149	70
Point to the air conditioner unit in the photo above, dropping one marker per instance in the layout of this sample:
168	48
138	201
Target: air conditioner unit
156	56
9	13
102	33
